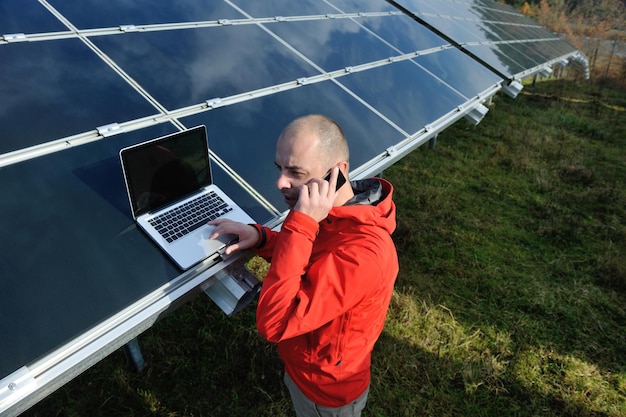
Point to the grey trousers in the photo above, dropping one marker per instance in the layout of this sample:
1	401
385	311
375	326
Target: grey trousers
307	408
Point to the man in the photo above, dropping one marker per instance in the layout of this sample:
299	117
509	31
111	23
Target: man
333	266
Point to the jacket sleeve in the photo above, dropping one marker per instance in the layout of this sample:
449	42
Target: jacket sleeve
265	248
296	297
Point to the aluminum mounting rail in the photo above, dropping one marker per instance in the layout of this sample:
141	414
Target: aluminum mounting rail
131	28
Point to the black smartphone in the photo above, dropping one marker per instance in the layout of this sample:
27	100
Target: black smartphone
341	179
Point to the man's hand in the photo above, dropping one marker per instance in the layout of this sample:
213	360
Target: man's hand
248	235
317	196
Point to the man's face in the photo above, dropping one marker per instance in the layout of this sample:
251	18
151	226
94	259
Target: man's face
298	161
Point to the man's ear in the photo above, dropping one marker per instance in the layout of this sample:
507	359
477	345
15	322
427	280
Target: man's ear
343	166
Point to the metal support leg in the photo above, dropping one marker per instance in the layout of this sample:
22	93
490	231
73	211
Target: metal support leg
432	142
133	350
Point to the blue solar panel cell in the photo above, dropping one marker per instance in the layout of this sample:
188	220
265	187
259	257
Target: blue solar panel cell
358	6
405	93
333	44
458	71
458	31
90	14
402	33
26	16
283	8
497	57
186	67
46	96
446	8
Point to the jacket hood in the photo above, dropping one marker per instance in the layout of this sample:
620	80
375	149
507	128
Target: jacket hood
372	204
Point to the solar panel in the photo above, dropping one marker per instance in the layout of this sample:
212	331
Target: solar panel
495	34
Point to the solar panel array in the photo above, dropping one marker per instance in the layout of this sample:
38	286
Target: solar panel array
82	79
128	65
496	35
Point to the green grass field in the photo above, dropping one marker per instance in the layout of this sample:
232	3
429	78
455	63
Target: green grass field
511	298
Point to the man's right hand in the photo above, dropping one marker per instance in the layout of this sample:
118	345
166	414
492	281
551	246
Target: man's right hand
248	235
317	197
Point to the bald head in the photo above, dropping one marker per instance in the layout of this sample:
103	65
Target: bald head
306	150
331	142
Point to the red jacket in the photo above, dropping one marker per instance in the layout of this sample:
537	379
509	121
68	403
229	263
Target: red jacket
325	297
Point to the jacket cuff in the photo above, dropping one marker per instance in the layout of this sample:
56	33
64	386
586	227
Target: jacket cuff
302	223
262	235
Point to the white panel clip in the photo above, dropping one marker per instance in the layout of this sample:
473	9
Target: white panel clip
214	103
128	28
109	130
15	37
16	386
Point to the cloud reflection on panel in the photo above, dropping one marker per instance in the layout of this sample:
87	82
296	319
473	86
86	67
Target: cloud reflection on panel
60	88
113	13
257	9
186	67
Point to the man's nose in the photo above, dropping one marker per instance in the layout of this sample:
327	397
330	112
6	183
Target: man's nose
283	182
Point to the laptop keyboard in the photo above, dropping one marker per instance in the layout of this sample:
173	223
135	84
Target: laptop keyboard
178	222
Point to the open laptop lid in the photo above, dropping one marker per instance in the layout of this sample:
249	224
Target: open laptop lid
164	170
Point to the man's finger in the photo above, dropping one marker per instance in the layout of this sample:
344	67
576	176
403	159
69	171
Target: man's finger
334	174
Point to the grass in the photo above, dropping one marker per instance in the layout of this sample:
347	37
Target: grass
511	298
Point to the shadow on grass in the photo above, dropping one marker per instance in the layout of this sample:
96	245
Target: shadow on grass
426	384
427	362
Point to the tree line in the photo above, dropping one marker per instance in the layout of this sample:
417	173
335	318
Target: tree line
595	27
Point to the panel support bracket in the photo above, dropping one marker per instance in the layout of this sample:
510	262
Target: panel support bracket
234	288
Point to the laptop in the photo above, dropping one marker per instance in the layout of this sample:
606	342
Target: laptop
172	195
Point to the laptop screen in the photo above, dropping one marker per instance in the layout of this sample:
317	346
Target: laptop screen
166	169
